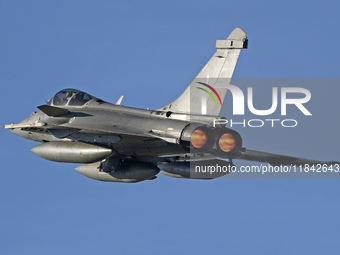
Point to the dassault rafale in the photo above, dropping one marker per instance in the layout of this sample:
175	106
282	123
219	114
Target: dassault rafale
116	143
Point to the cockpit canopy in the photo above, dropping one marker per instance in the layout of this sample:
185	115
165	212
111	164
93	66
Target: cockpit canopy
71	97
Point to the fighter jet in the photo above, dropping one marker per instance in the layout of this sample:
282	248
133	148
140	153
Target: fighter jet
116	143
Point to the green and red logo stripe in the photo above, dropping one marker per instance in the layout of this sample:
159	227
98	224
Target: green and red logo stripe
212	89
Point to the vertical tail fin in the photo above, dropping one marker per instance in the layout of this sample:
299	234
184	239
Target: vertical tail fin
205	94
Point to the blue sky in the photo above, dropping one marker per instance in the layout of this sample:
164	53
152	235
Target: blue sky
148	51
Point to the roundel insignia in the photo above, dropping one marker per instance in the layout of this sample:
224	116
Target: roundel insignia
71	120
